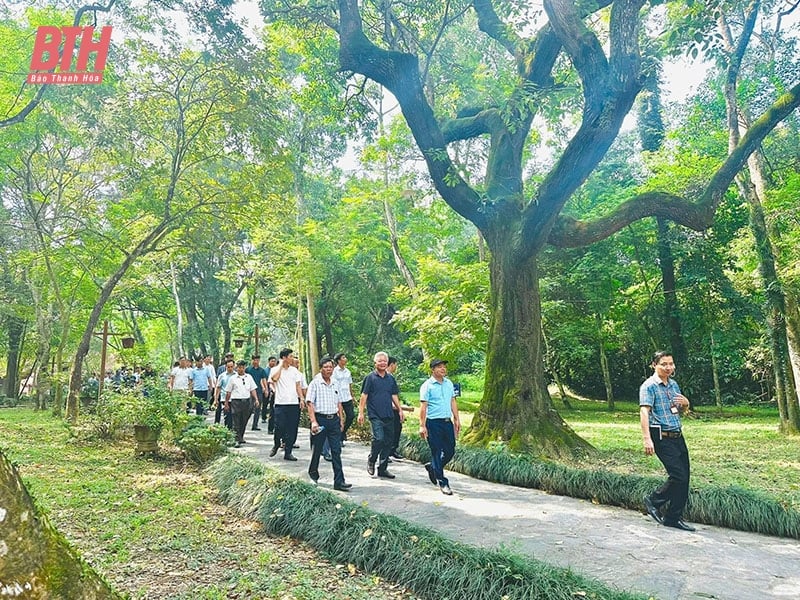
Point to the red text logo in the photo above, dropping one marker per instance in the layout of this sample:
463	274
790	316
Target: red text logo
55	48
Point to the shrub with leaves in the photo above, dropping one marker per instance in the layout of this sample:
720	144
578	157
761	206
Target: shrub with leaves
202	444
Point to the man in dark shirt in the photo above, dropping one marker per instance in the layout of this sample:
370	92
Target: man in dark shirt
379	396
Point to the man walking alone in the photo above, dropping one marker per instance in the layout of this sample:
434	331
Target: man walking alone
438	422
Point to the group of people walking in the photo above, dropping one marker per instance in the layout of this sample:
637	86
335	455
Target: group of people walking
279	392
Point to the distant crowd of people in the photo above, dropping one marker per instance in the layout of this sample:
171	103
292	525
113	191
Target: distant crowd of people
277	393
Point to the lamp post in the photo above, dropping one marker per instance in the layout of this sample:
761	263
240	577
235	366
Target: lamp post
239	340
127	342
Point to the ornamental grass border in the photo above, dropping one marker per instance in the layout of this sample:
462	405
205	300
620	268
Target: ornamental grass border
425	562
732	507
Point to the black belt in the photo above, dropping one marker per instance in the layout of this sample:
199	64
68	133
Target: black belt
324	416
670	434
447	420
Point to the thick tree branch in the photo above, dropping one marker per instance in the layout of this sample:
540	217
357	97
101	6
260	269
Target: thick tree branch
571	233
399	73
583	48
490	24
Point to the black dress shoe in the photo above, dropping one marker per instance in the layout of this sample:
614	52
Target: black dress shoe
274	451
295	445
314	478
446	490
431	474
256	428
652	510
679	524
370	467
343	487
291	457
385	475
327	457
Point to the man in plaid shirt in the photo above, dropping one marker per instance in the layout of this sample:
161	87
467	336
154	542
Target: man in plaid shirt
660	404
325	411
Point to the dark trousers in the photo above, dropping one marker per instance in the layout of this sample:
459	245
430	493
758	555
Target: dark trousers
674	455
200	400
442	442
331	437
349	417
240	410
287	420
268	410
256	411
398	428
382	439
218	414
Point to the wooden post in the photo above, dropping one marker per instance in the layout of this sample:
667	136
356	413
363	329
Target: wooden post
103	349
256	352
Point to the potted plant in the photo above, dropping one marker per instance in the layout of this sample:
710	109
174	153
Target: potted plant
148	411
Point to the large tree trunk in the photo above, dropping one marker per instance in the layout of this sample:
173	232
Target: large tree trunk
37	562
516	405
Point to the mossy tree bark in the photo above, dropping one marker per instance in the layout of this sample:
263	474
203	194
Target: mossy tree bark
36	562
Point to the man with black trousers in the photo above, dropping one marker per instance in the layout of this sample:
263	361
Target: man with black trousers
325	412
660	405
260	377
379	396
288	402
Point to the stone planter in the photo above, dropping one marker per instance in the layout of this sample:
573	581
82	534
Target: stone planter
146	438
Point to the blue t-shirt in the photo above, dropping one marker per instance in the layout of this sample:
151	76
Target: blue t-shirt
438	396
257	374
199	377
379	391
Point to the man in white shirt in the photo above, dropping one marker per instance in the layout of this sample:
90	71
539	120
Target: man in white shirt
179	377
239	393
288	402
344	380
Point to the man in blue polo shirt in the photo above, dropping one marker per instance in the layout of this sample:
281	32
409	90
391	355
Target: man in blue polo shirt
378	394
438	422
660	404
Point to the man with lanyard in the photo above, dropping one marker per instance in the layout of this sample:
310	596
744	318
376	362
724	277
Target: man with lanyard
325	412
222	385
379	394
438	422
660	402
288	402
240	395
260	377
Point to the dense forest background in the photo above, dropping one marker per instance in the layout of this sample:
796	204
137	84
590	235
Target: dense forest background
220	180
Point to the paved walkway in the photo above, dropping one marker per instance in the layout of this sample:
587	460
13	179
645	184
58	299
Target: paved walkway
623	548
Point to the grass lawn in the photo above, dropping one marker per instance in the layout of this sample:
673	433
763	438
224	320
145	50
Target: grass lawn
154	528
740	447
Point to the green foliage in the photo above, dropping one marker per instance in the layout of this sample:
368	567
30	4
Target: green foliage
118	411
731	507
425	561
203	444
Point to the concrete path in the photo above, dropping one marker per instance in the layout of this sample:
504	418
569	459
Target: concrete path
622	548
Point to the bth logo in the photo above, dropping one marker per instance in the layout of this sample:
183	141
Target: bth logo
54	50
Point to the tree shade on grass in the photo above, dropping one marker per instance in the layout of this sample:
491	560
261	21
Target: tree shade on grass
426	562
732	507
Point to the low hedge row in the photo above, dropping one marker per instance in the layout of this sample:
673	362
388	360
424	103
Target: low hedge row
731	507
422	560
